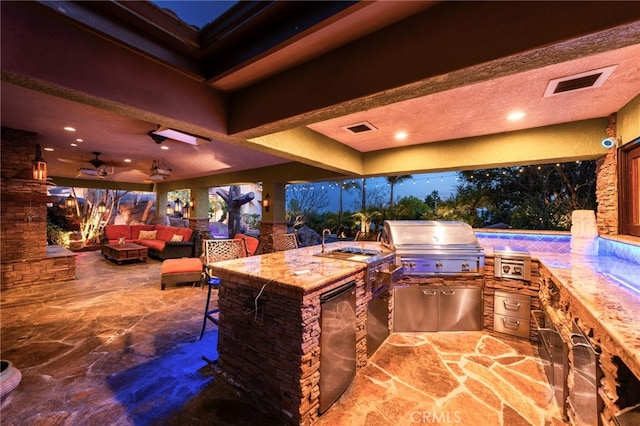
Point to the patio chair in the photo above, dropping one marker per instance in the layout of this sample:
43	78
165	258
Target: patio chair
252	243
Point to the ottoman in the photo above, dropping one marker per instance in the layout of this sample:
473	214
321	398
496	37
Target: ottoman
183	270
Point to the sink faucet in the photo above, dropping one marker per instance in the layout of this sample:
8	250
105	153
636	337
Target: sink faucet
324	232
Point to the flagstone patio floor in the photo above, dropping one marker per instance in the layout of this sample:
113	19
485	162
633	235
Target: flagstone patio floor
111	348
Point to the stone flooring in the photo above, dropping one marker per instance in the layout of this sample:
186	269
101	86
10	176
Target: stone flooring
111	348
465	378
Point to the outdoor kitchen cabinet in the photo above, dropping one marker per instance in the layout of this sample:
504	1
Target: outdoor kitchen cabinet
437	308
511	313
415	309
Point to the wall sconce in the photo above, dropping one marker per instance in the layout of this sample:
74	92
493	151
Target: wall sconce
70	202
102	207
192	203
39	166
169	210
266	202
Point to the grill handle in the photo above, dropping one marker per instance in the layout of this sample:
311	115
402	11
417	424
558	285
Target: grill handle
450	293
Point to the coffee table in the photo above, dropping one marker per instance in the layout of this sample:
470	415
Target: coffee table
129	251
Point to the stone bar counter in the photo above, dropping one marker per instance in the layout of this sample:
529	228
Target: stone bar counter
597	292
269	324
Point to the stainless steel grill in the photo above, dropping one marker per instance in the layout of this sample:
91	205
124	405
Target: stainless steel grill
429	247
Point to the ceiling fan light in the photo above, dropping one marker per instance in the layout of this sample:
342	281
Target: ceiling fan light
93	173
156	178
168	133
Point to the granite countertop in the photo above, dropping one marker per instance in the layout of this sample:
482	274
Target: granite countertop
604	285
293	272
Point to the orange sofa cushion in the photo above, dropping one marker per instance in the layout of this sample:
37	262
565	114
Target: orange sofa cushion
135	230
113	232
154	244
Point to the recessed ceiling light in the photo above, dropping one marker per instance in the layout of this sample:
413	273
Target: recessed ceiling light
164	147
70	129
127	160
74	144
79	140
401	136
49	149
516	115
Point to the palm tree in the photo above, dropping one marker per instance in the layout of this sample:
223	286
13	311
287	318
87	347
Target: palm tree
392	181
364	194
365	218
347	186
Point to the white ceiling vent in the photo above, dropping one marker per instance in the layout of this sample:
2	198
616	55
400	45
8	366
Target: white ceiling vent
582	81
362	127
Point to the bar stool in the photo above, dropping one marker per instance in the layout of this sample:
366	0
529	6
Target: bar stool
216	251
367	236
282	242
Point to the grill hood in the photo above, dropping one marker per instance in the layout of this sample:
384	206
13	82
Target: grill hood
422	234
431	247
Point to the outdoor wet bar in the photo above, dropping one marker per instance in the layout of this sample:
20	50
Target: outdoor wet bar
271	329
270	326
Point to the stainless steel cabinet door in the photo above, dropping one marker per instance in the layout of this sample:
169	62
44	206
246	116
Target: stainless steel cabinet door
415	309
337	343
460	308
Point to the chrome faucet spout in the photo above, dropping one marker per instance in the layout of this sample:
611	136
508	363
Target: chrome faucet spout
324	232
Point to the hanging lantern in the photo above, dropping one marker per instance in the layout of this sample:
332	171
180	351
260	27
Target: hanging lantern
102	207
70	202
39	166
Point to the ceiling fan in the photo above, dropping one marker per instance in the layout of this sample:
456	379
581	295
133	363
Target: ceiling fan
96	162
99	170
159	171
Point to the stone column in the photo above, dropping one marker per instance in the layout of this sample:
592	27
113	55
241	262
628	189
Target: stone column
274	220
607	186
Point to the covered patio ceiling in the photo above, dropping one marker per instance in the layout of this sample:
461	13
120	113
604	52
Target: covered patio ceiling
271	83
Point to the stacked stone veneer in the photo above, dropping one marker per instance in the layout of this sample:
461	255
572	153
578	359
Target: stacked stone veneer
268	228
618	386
273	353
607	193
26	259
607	186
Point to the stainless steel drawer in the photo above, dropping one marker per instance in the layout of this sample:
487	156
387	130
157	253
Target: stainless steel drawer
511	325
512	304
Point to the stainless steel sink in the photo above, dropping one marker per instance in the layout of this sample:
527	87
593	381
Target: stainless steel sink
349	253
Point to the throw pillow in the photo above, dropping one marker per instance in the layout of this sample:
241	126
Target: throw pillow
176	237
148	235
